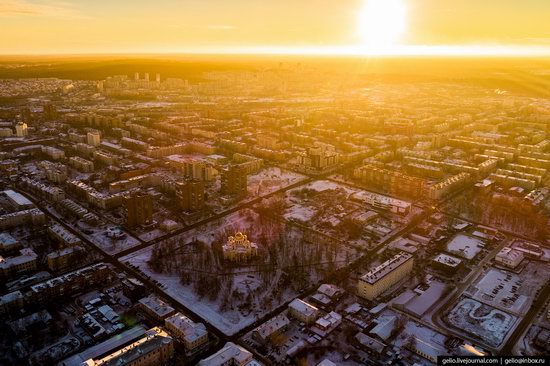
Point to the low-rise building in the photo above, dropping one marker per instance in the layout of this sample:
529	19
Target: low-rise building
331	291
23	263
17	200
156	308
230	355
63	236
327	323
271	329
446	263
63	259
302	311
369	344
8	243
12	301
156	348
509	257
193	335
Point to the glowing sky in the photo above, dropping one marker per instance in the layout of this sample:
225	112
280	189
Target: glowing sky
286	26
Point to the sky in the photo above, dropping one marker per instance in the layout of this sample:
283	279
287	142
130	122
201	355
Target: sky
275	26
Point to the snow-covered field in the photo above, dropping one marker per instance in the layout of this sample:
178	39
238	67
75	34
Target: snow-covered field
228	322
248	291
99	237
271	179
481	321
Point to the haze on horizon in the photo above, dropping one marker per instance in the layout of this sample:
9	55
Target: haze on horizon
371	27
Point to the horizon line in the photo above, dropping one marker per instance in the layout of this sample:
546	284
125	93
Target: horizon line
512	51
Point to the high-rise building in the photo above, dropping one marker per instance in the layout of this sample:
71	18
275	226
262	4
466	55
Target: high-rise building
190	195
50	112
26	114
21	129
197	170
136	76
157	78
139	209
234	181
94	138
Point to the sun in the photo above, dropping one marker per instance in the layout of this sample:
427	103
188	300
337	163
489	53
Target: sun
382	23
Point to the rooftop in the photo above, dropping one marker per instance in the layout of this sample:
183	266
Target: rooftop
229	352
385	268
189	328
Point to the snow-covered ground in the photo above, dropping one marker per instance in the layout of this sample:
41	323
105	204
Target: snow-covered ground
98	235
481	321
229	322
271	179
500	289
151	235
254	288
508	291
299	213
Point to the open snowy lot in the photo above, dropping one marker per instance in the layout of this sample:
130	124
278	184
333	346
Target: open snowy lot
271	179
98	235
481	321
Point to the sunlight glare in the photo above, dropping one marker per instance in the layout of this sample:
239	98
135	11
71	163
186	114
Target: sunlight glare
381	23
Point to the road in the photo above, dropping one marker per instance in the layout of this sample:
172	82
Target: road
221	338
113	260
537	306
247	204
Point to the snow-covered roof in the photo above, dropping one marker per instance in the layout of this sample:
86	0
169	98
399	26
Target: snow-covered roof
385	268
157	306
447	260
384	326
303	307
272	326
187	327
329	290
229	352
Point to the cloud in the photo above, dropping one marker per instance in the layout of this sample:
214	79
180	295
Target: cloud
33	8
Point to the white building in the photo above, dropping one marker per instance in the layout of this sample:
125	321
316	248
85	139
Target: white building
21	129
302	311
230	355
509	257
326	324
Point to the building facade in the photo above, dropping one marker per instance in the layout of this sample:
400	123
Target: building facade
383	277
